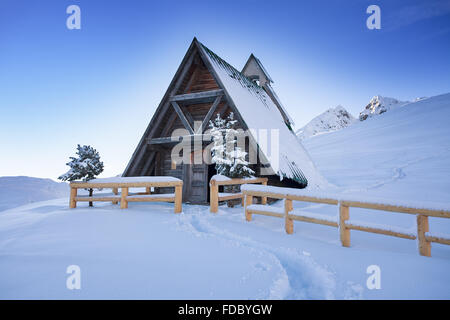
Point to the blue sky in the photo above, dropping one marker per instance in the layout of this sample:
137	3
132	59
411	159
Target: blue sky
101	84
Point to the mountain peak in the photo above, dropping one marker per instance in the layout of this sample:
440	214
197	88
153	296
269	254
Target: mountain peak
378	105
331	120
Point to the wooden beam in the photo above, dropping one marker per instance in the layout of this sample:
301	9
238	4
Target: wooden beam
164	140
214	197
73	195
103	185
248	201
210	113
422	229
178	198
343	230
314	220
162	108
219	82
380	231
182	117
192	79
169	124
189	117
437	239
288	222
123	198
263	213
197	95
148	163
389	207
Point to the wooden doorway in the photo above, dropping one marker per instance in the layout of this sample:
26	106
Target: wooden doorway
196	179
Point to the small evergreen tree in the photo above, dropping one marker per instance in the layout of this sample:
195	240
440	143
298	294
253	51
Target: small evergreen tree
226	154
85	167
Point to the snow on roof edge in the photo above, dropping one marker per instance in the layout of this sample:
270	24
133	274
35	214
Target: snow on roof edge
295	163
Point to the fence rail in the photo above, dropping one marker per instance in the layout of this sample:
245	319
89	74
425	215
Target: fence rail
124	184
343	223
215	196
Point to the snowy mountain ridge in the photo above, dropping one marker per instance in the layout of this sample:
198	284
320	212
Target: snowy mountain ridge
379	105
331	120
338	118
19	190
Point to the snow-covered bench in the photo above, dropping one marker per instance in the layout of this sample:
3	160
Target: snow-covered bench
345	201
218	180
124	183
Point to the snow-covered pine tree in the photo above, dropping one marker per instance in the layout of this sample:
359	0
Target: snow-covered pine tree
226	154
85	167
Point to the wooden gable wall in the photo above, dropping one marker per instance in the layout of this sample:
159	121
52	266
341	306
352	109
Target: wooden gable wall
155	159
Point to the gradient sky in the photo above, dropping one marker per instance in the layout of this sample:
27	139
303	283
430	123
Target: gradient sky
100	85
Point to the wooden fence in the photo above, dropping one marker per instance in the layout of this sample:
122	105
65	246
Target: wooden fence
215	196
124	184
424	239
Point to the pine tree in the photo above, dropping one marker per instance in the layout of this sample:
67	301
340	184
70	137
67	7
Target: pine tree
85	167
226	154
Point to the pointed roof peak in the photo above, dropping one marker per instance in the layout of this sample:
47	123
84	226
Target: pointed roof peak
251	58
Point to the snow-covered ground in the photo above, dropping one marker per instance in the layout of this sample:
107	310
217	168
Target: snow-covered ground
16	191
147	251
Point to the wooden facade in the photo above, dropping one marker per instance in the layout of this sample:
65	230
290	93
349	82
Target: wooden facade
194	97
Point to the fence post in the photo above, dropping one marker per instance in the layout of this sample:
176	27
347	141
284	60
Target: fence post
264	199
288	222
178	198
123	198
115	192
343	230
73	194
214	196
248	201
422	227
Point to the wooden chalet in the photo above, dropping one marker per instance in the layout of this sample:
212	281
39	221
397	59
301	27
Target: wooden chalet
206	85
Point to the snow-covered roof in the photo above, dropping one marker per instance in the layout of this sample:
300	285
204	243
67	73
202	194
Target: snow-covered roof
280	105
259	112
260	65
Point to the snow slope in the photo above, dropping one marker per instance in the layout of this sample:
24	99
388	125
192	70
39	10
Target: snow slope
402	155
379	105
16	191
331	120
148	252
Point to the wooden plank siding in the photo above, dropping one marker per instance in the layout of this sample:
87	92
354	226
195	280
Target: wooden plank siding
153	157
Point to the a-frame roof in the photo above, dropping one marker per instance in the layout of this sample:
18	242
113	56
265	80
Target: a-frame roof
258	113
258	62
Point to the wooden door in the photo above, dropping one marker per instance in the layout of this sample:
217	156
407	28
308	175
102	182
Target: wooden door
196	182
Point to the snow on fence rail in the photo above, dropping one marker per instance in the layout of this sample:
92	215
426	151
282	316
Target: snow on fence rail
344	202
124	183
218	180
